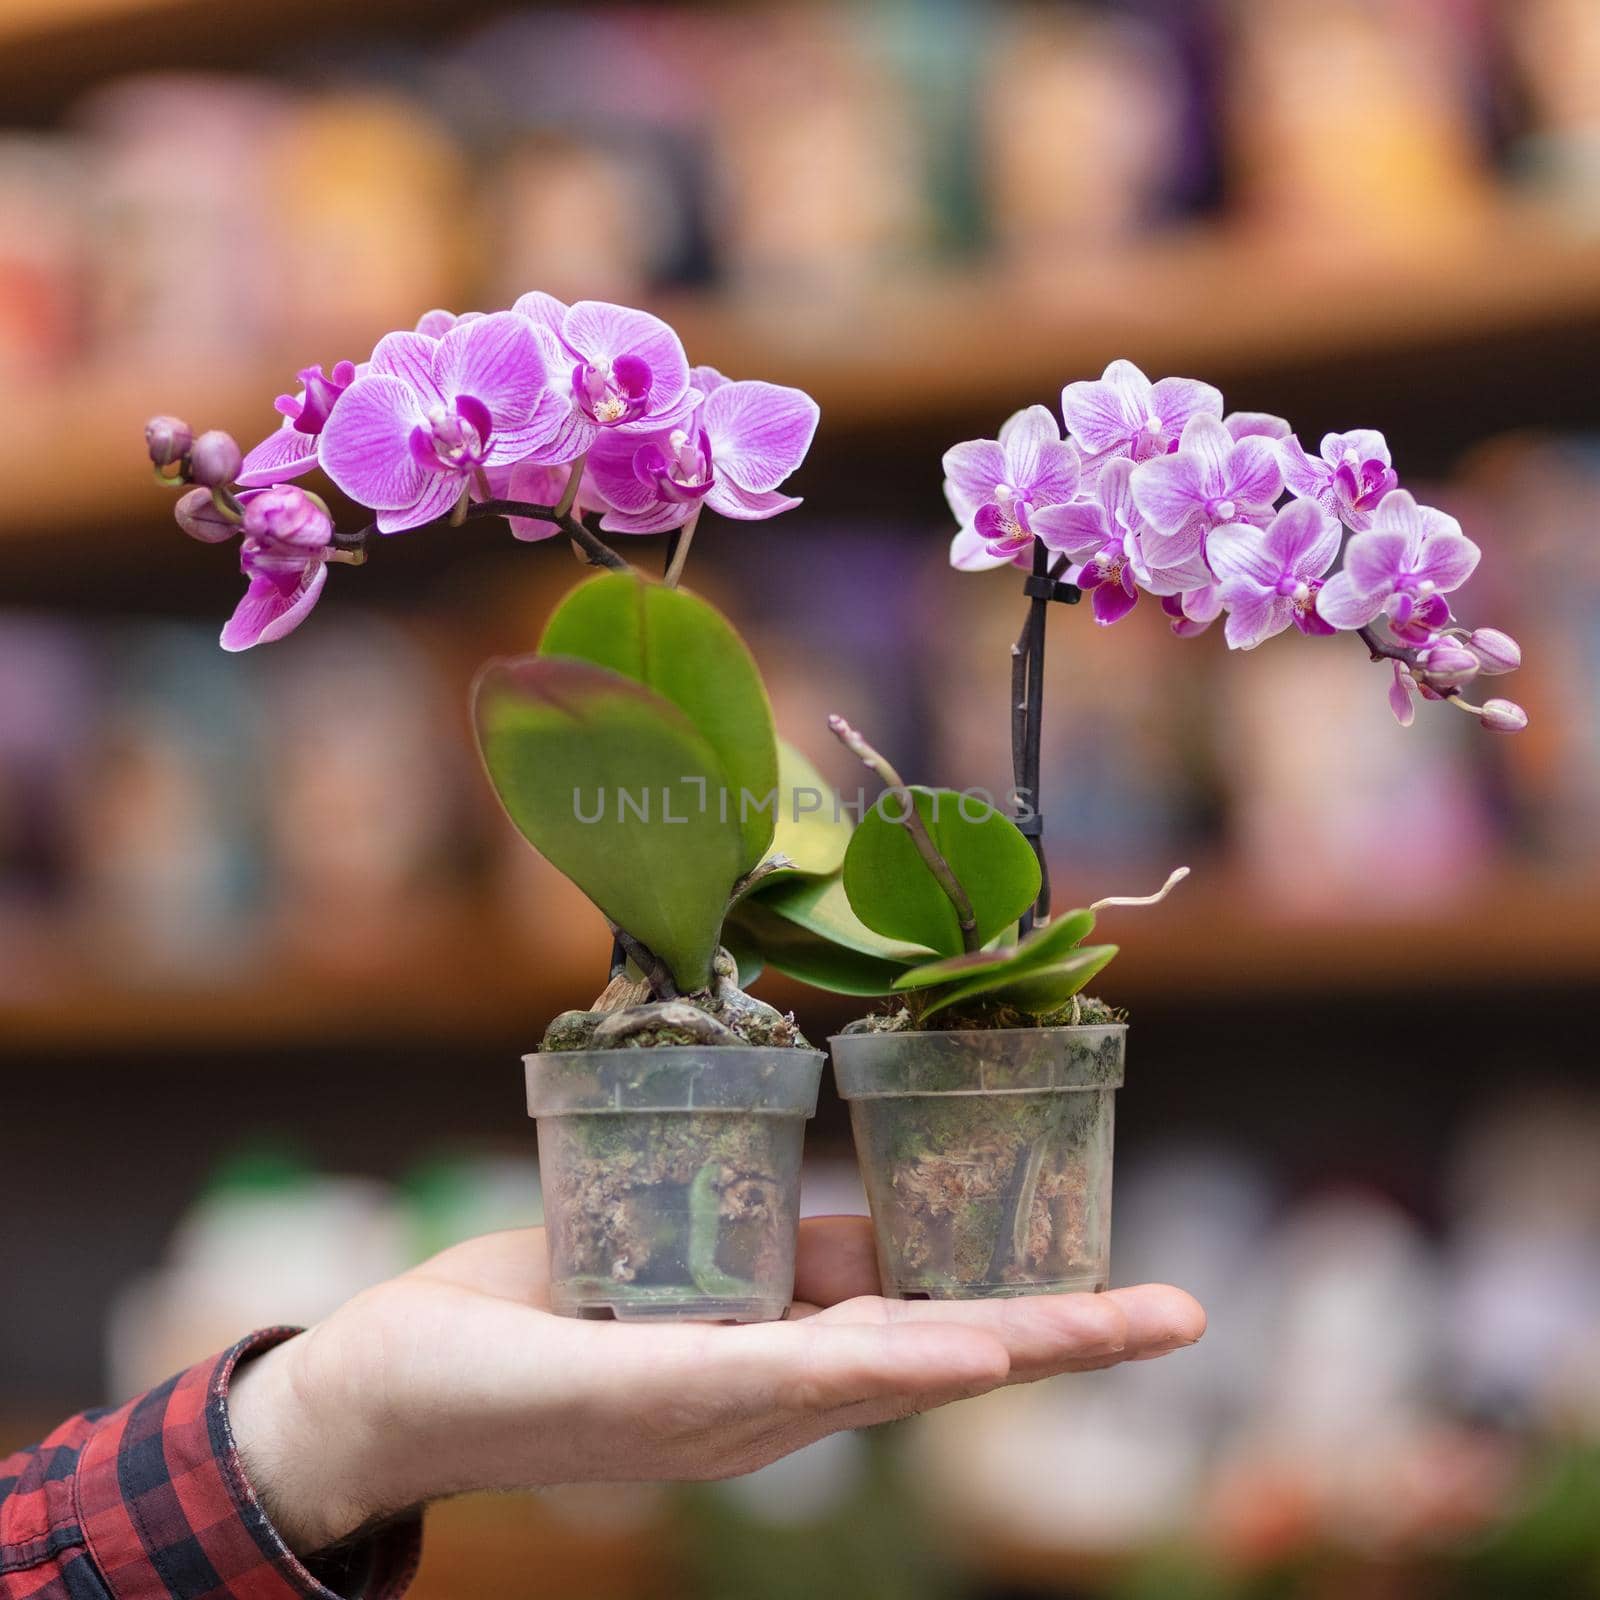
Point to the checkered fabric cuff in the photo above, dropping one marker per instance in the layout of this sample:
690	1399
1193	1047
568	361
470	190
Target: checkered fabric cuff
167	1513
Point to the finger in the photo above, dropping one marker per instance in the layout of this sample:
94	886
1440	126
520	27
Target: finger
1046	1334
1042	1334
835	1260
1160	1319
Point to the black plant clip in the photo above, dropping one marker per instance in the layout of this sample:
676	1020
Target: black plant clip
1042	587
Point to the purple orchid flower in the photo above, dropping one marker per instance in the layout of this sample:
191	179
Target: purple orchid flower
1106	537
1210	480
627	370
291	451
1194	610
996	487
284	555
438	322
730	453
1121	413
1268	580
410	435
1409	557
1111	540
1402	688
1256	425
1350	479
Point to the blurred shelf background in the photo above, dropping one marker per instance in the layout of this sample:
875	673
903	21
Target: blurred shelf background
267	897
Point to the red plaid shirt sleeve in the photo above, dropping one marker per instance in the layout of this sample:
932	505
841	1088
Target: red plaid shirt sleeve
150	1502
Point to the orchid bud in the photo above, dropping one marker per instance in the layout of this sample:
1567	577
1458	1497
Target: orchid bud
1503	716
1448	665
287	518
1496	651
199	517
167	439
215	459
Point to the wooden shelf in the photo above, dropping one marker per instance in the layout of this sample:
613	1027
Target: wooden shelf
922	348
481	985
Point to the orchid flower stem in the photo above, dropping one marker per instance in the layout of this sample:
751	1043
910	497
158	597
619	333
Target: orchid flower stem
595	549
222	498
1382	649
656	971
1027	721
680	552
569	495
911	820
481	479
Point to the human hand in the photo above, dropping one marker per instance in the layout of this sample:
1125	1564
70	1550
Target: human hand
456	1377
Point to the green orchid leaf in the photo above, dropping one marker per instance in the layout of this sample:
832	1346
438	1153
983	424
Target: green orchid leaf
799	952
821	906
811	832
1038	991
805	928
600	774
1039	949
685	649
893	892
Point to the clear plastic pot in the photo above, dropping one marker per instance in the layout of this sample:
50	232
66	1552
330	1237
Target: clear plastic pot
986	1156
671	1178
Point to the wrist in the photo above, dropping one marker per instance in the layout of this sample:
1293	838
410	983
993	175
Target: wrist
301	1450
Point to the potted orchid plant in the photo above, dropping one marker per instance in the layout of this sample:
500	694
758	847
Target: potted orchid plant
634	747
982	1096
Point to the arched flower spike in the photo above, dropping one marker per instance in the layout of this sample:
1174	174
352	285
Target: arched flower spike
550	416
1180	500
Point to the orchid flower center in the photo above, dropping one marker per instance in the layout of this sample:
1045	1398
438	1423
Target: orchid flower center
1362	484
679	473
1223	510
613	394
454	438
1110	560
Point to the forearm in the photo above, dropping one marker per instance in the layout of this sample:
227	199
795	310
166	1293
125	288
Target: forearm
156	1497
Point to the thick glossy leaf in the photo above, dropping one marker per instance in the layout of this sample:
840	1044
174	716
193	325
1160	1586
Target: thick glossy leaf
686	650
1037	991
892	891
820	905
600	775
797	951
1039	949
810	831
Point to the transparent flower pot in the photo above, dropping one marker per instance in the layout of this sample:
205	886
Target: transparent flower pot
671	1178
986	1156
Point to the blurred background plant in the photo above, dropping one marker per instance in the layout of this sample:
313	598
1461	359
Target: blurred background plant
246	898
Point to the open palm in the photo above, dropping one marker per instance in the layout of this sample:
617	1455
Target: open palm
457	1377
